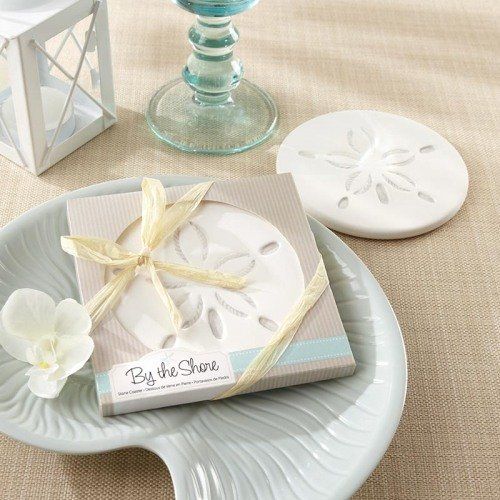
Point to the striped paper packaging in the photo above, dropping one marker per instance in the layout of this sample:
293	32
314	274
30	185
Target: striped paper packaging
254	228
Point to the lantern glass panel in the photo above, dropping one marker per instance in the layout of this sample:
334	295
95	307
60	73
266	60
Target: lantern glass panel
6	102
70	55
4	75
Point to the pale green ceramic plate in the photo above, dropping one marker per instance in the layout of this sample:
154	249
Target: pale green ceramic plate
314	441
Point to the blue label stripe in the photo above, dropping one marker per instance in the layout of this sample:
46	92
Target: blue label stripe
300	352
103	383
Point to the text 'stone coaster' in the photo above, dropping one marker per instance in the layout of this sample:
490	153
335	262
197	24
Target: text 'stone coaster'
373	174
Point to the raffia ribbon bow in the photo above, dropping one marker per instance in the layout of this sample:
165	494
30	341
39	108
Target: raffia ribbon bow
158	223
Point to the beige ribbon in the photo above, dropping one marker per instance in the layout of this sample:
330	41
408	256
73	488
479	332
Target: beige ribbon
273	351
158	223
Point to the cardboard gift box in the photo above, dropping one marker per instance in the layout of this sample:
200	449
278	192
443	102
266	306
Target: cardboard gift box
254	229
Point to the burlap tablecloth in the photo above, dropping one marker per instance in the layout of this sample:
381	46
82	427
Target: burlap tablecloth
433	61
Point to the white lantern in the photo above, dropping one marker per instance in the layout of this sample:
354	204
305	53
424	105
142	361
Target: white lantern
56	83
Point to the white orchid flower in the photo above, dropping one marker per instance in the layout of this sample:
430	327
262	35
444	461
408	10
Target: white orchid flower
54	339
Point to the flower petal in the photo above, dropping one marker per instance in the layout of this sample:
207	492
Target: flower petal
398	180
398	157
29	314
359	182
14	346
340	159
360	140
43	388
43	352
47	373
191	310
238	263
72	318
234	302
191	243
73	351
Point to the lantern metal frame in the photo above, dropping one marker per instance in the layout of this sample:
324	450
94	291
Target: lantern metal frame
23	37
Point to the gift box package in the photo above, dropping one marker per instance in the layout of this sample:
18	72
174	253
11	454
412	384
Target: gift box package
203	292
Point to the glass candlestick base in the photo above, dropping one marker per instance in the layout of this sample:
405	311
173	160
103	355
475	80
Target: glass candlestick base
212	109
179	119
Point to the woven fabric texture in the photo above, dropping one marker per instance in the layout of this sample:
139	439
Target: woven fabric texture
433	61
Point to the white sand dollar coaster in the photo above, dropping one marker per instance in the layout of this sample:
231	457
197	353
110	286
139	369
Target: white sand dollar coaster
374	174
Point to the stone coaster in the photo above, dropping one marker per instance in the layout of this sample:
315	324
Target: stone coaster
373	174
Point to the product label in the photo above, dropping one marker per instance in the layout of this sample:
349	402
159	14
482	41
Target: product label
171	372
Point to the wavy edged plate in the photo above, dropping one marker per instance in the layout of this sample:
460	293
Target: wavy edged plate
313	441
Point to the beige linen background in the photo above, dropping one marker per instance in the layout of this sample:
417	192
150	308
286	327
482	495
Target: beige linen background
436	61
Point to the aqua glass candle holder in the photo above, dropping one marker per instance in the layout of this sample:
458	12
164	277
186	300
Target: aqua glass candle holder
212	108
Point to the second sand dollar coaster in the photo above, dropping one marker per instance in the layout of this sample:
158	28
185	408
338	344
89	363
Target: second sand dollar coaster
374	174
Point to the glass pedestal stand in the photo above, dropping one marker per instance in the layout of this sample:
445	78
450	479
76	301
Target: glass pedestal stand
212	109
